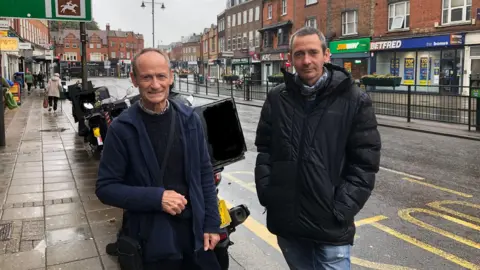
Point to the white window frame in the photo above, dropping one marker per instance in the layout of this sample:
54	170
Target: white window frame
258	36
234	20
310	2
99	46
229	22
395	22
250	15
239	18
245	40
284	7
346	19
466	11
311	22
229	45
251	40
257	13
234	43
245	17
270	12
113	55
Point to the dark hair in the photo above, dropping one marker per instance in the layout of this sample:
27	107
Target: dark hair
146	50
307	31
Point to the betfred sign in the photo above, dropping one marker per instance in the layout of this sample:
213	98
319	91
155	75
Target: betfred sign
417	43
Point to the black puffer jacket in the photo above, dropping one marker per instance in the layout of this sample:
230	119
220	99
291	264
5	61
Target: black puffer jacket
316	169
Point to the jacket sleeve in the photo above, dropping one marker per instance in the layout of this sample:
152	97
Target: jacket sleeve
212	217
362	162
262	141
111	187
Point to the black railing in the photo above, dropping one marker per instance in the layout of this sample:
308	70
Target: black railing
433	103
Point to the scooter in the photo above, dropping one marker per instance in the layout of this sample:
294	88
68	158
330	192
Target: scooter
96	127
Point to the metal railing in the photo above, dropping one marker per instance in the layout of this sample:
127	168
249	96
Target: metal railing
432	103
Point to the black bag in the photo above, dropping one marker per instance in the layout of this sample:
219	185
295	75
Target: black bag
129	250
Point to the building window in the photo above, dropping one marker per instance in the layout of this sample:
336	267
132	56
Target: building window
245	41
310	2
250	15
349	23
284	7
112	44
114	55
399	15
257	39
239	18
311	22
250	39
99	46
234	20
269	10
91	45
95	57
257	13
268	39
245	14
213	44
456	11
239	41
283	36
122	55
128	55
228	22
67	45
74	45
234	43
229	45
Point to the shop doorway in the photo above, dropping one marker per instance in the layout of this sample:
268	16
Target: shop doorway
475	66
450	65
357	67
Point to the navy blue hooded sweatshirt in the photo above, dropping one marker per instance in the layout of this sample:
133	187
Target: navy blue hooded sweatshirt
126	178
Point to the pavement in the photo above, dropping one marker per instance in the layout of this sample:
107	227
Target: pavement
423	214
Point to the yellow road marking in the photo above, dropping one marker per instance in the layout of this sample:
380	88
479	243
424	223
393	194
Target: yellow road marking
439	206
262	232
402	173
369	220
437	187
239	182
406	215
426	247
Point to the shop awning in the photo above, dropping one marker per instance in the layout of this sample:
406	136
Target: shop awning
276	26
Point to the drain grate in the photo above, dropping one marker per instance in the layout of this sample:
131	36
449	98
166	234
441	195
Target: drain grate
5	231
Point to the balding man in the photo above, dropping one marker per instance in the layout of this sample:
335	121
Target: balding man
156	166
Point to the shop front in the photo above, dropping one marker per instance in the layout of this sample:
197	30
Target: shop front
213	68
272	63
472	58
433	64
353	55
240	66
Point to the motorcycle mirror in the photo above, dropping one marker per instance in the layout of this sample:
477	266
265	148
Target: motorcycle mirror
190	99
88	106
238	214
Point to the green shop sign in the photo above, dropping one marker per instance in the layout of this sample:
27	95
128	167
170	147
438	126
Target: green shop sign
350	46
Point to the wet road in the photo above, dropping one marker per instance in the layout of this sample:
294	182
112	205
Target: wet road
423	214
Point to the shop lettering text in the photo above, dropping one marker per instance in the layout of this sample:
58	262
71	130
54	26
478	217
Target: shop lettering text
349	46
421	42
382	45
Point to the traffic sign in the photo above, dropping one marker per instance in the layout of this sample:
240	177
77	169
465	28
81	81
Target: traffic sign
67	10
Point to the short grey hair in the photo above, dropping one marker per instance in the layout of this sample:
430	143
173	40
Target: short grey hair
144	51
307	31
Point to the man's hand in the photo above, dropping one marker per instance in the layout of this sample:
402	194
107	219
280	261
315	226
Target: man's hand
210	240
173	202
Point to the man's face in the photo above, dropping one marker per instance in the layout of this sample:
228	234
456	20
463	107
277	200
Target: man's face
307	56
153	77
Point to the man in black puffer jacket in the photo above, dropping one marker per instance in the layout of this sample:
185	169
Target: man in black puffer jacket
319	151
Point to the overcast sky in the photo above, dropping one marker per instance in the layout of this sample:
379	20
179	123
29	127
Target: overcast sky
180	17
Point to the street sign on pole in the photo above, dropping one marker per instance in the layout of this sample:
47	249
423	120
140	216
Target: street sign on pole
67	10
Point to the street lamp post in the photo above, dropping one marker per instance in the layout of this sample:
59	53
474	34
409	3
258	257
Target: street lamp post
153	3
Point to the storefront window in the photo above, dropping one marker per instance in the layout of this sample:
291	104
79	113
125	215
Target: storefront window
428	71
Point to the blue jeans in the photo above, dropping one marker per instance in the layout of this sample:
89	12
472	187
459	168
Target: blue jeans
307	255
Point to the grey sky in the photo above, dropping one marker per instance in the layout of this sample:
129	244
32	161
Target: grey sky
180	17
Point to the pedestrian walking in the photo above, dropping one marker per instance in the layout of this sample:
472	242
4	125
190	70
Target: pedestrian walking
156	166
318	154
53	89
29	81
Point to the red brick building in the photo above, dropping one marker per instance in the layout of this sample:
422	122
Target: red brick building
114	49
278	25
430	44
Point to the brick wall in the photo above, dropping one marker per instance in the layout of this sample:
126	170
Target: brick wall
423	16
316	10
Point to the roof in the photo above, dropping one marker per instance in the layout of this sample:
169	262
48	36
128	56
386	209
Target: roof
276	25
58	36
